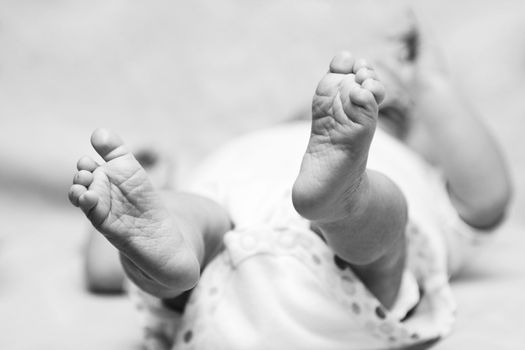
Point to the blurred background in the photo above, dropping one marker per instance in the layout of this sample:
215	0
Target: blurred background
185	77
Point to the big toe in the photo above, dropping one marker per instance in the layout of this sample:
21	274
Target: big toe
108	144
342	63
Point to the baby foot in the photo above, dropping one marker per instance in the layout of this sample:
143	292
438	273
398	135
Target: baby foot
121	203
344	116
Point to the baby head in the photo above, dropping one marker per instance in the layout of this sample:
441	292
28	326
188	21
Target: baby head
395	65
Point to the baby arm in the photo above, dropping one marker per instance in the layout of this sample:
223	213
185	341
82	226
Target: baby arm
448	130
476	174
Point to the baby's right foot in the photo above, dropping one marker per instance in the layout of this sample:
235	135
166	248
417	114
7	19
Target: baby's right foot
121	203
344	116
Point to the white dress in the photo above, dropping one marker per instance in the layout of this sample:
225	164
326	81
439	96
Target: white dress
277	285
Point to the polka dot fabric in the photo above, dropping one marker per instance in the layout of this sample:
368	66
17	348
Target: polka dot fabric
278	286
284	288
160	324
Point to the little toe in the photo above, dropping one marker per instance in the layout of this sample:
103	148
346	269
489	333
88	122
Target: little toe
376	88
364	74
108	144
87	163
83	177
75	192
88	200
342	63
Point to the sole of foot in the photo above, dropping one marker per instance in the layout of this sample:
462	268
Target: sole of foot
121	203
344	118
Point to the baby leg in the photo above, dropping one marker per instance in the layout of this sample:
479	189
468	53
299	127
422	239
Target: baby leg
162	245
361	213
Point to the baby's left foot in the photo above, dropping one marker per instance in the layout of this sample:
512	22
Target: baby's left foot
344	116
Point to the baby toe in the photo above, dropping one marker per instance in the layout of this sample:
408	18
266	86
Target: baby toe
342	63
348	88
360	64
87	163
376	88
75	192
88	200
364	74
362	97
83	177
108	144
